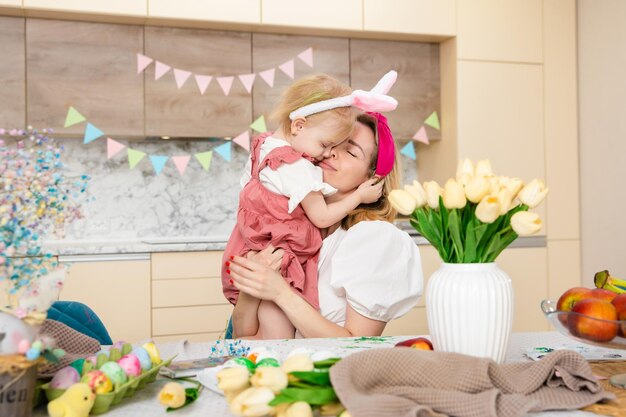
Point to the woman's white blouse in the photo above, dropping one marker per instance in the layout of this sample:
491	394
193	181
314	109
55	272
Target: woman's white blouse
295	180
373	266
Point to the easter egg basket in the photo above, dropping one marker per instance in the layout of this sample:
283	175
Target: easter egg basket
104	401
18	378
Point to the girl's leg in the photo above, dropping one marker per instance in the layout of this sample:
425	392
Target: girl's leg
273	323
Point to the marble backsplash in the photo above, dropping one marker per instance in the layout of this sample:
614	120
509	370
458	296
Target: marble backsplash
139	206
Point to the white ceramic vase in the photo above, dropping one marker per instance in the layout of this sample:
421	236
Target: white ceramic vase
470	309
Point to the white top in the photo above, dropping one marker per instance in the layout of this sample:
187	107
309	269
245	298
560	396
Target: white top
294	180
373	266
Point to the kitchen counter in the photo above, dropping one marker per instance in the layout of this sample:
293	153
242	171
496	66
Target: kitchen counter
103	246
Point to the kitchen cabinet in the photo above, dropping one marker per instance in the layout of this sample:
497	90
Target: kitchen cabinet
117	291
419	17
185	111
114	7
326	14
187	299
231	11
97	62
12	73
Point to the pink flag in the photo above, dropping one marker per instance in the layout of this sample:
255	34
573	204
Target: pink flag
143	62
160	70
243	140
181	76
225	83
181	163
306	56
421	136
247	80
203	82
113	147
268	76
287	68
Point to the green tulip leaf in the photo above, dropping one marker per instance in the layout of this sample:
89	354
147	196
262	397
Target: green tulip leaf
313	396
326	363
317	377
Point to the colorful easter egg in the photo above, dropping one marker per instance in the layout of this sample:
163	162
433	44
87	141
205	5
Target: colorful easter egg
155	357
267	362
130	364
241	362
23	346
98	381
144	358
115	372
65	378
254	353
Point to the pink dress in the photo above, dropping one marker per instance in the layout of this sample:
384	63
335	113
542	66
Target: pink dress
263	219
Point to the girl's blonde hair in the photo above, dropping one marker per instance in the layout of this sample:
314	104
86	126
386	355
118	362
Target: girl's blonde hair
311	90
381	209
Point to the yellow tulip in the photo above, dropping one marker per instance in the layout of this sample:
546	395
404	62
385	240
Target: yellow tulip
433	192
402	201
345	414
172	395
418	193
483	168
464	171
514	185
488	210
233	379
505	198
252	402
533	193
332	409
298	409
297	363
526	223
453	195
270	377
476	189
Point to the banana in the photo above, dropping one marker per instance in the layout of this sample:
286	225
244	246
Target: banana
604	280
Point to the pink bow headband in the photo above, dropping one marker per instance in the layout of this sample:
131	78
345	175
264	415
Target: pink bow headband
386	146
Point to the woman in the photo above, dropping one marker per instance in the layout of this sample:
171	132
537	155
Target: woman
369	271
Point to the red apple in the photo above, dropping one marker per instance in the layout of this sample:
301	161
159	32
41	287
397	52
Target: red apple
568	299
592	326
620	305
417	343
602	294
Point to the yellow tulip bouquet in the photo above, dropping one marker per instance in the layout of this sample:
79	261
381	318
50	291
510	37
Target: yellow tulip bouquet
474	217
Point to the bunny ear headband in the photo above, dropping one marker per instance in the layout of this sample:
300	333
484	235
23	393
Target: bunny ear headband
373	102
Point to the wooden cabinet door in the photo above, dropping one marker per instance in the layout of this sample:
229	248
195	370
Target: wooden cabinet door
12	73
117	291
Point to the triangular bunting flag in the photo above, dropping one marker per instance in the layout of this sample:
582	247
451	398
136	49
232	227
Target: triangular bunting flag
143	62
306	56
203	82
160	69
73	117
205	159
247	80
243	140
287	68
433	120
113	147
259	125
225	83
421	136
224	150
134	157
158	162
268	76
181	163
91	133
408	150
181	76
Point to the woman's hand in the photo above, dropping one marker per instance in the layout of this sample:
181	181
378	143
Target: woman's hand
257	279
270	256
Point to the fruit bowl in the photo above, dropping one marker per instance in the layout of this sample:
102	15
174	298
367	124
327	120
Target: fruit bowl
560	319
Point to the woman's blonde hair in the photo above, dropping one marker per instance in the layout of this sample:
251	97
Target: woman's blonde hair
311	90
381	209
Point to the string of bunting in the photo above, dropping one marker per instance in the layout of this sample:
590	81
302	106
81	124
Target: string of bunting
225	82
421	136
181	162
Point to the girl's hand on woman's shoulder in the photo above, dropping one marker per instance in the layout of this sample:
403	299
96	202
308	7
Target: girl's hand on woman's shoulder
258	279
